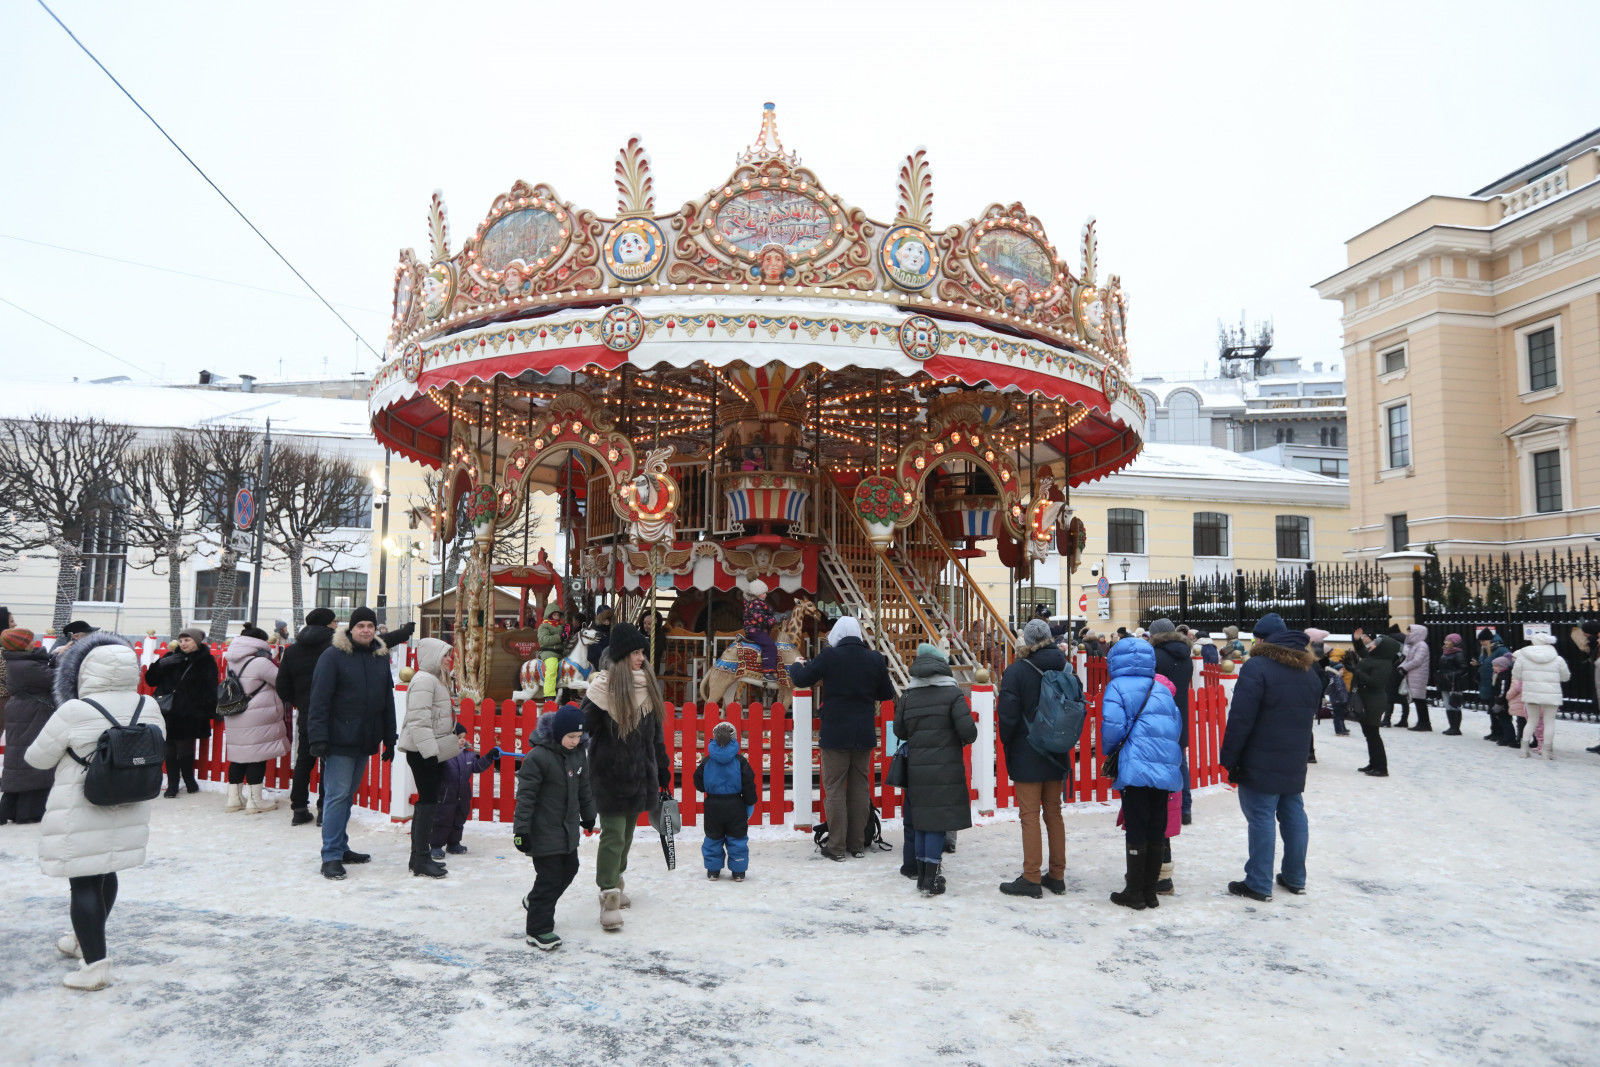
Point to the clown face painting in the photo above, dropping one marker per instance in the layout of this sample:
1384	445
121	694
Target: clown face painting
907	258
634	249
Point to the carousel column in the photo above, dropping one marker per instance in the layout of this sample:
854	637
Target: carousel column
475	620
800	752
983	757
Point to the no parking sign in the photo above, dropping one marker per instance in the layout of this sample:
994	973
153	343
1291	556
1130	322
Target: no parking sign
244	509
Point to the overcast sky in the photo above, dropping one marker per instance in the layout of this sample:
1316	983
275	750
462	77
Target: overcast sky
1228	150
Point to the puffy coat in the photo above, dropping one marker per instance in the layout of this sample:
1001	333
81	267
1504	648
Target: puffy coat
1372	676
854	680
298	664
935	721
260	732
429	729
1208	651
30	676
551	640
1151	755
1541	671
1015	708
1497	648
192	679
726	773
1268	737
78	838
1454	674
1175	663
1414	662
1514	702
352	698
554	795
628	772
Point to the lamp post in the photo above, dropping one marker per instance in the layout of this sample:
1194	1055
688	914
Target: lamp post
407	550
380	502
1126	566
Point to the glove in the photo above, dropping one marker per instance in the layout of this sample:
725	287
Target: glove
588	829
388	752
319	750
493	753
522	844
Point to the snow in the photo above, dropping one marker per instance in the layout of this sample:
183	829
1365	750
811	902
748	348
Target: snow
1159	460
172	407
1450	918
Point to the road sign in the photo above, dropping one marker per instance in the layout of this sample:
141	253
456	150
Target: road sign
244	509
241	544
1083	604
1104	588
1105	607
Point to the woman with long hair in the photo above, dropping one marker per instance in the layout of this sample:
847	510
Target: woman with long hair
185	681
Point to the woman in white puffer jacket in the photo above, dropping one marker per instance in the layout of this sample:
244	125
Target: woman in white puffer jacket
79	841
1541	671
428	739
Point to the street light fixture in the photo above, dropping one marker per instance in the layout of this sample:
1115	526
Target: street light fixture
1126	566
380	502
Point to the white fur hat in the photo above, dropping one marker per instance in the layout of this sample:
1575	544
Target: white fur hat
757	588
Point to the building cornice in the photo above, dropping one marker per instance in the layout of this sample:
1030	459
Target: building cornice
1123	486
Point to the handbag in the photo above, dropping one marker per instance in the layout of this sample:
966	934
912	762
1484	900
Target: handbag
1109	765
897	768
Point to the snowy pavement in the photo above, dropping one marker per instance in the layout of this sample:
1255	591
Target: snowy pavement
1452	917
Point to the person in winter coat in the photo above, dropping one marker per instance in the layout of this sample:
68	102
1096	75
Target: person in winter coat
758	623
1175	662
30	678
85	843
72	632
552	643
1512	698
1542	671
1140	722
1591	632
1264	750
1335	689
1232	647
1500	706
1372	675
187	675
260	733
350	718
854	680
8	621
625	719
935	721
428	738
1414	672
729	783
1209	656
1490	648
1452	680
455	799
294	687
555	797
1037	779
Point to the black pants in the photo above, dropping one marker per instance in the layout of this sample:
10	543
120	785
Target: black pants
1422	712
304	761
428	774
180	761
92	897
246	773
1144	815
27	806
551	876
1377	758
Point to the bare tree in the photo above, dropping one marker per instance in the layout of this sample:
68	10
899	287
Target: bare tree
232	458
61	476
310	495
166	483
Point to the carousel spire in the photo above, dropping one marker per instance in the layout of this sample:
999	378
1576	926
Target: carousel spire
1091	245
438	227
915	201
635	187
768	145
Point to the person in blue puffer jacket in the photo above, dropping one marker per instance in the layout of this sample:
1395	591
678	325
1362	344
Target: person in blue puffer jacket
729	783
1143	719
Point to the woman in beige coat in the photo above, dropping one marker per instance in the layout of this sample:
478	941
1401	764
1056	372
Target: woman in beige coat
428	739
79	841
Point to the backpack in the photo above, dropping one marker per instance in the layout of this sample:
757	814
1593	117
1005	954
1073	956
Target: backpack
231	697
1057	723
819	833
125	766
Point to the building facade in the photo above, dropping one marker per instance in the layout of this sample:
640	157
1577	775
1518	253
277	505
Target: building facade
1472	350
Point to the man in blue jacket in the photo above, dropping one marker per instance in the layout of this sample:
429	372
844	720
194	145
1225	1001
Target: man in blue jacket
1265	748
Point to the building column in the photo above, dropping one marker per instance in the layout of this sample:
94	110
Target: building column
1398	568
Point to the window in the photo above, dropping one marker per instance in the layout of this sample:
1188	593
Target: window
1210	533
1125	531
341	590
1547	481
1541	346
1294	537
355	511
1332	468
1397	434
1333	437
205	594
1029	597
1183	415
1393	361
1399	533
1553	597
103	564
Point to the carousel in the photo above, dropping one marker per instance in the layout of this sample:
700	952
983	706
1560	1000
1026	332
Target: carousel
764	391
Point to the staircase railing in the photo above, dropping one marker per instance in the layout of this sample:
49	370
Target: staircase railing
970	615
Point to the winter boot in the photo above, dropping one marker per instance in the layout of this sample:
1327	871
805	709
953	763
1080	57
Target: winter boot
1164	879
68	946
610	910
421	827
235	797
301	817
1424	724
622	893
1154	853
90	976
932	882
1454	715
1132	893
256	803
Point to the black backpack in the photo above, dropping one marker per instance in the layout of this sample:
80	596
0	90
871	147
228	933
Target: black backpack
231	697
125	766
819	833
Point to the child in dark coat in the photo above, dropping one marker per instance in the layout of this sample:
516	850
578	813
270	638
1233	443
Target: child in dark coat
554	799
455	799
729	783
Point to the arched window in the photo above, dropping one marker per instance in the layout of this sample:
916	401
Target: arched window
1183	415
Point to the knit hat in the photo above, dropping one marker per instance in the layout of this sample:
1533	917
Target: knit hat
16	640
1232	632
1315	635
363	614
723	733
1295	639
626	638
195	634
76	626
1036	632
1592	628
926	649
1041	611
1503	663
1452	641
1269	625
254	631
567	719
757	588
1485	634
320	617
1162	626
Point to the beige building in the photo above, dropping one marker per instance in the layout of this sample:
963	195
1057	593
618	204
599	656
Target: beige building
1472	354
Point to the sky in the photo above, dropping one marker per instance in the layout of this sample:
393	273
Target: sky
1227	150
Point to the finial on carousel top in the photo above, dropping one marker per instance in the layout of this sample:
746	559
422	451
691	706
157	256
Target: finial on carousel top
915	200
768	145
438	228
635	187
1090	246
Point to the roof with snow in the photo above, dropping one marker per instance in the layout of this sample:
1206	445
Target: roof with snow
170	407
1214	464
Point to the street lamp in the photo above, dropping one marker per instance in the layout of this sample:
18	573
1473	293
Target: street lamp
1126	566
407	550
380	502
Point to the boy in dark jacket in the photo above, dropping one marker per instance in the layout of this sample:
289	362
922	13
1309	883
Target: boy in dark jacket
455	798
554	799
729	783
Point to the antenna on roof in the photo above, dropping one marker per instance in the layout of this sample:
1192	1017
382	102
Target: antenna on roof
1239	351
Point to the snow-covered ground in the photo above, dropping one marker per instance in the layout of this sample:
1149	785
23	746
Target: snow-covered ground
1452	917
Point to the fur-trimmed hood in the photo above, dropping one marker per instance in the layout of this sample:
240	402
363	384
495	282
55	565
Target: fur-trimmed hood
1169	638
116	669
342	641
1299	659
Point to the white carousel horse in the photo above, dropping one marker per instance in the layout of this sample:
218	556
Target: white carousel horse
740	662
572	674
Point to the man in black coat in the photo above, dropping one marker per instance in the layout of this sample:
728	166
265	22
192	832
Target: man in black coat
1265	748
1175	663
351	716
854	679
294	687
1039	780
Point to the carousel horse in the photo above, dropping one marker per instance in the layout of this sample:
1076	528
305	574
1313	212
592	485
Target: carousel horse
740	662
574	671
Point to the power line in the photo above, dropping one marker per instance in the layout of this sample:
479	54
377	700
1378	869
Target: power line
245	218
80	340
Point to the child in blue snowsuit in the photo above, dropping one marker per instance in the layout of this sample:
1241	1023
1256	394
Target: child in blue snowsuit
729	783
455	799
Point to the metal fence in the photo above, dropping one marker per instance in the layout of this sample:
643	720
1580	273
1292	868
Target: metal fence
1337	597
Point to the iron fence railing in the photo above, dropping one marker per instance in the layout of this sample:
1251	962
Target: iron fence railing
1337	597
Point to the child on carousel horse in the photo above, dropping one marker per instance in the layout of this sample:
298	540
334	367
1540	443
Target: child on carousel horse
759	620
552	643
